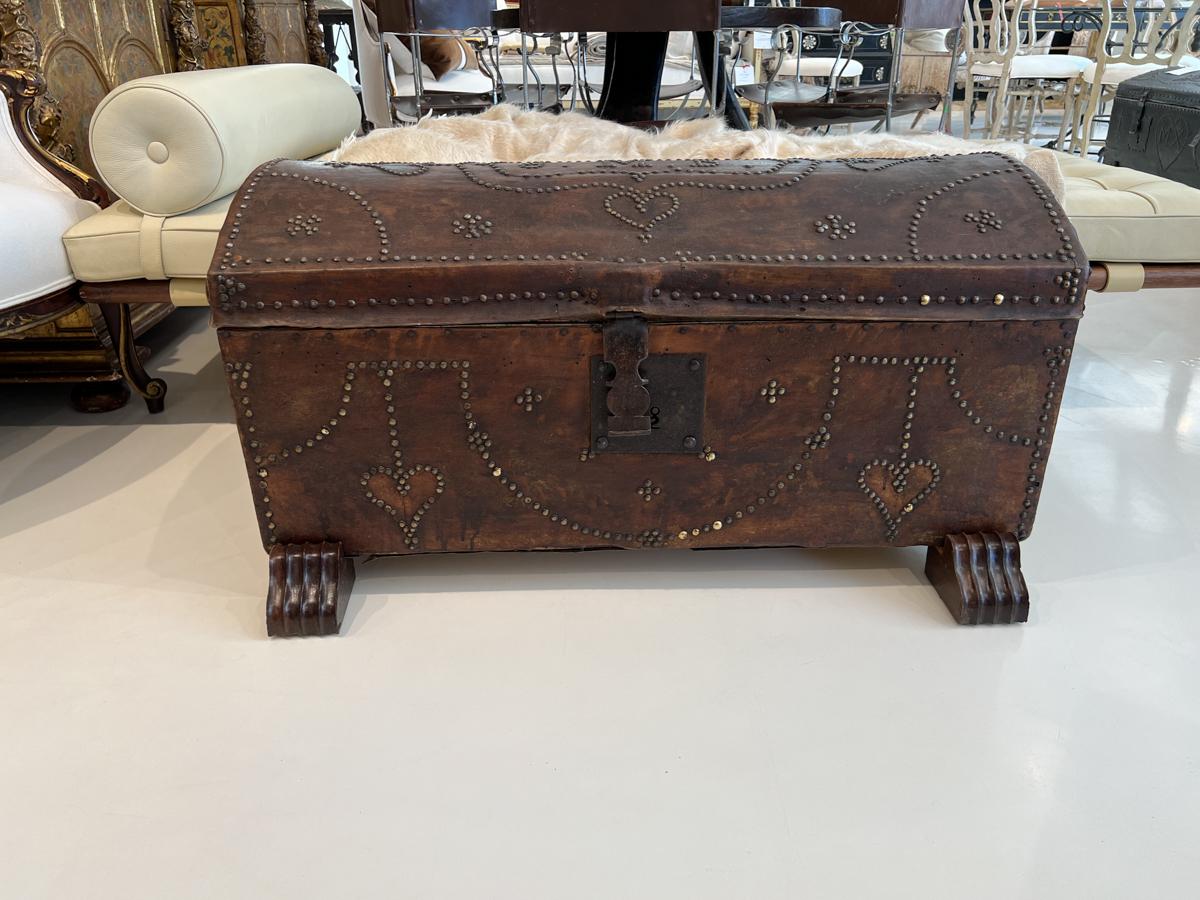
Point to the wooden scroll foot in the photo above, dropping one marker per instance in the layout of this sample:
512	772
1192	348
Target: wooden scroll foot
308	590
978	577
120	328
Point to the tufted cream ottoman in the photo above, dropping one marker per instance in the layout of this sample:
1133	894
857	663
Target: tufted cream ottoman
1144	228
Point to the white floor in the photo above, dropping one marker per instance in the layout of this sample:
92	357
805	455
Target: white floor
658	725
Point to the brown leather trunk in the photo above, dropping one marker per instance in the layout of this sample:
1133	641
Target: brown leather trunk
682	354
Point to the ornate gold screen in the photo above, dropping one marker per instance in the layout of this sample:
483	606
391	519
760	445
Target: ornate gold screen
275	31
219	23
88	48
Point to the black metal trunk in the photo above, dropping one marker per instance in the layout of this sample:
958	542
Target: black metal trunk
1155	125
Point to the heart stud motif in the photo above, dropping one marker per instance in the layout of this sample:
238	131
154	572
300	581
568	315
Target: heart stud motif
405	494
897	489
1172	135
641	210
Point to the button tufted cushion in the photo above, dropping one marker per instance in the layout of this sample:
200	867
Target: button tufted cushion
1123	215
169	144
33	263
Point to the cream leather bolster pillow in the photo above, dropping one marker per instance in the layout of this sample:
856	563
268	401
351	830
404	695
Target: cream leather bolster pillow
169	144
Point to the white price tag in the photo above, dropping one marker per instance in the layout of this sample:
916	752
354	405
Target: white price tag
762	39
743	73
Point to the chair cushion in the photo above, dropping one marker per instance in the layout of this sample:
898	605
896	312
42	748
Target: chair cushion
171	143
460	81
1038	66
820	67
927	40
1123	215
119	243
32	261
1116	73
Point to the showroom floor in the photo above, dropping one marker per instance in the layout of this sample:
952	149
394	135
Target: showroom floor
775	724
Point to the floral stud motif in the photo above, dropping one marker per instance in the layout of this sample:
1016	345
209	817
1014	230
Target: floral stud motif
471	226
773	391
648	490
835	227
983	220
308	225
651	537
528	399
818	440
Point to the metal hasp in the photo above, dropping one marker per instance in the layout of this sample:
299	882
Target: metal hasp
643	403
628	401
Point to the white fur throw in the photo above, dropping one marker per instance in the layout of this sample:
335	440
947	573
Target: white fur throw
506	133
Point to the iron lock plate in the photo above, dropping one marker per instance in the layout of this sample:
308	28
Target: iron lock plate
676	385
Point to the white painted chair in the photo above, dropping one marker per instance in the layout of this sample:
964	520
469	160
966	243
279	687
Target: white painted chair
791	62
1150	41
1006	60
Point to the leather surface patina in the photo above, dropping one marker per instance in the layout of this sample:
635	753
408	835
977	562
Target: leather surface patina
927	239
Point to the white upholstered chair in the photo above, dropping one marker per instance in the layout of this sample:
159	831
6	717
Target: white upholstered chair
41	198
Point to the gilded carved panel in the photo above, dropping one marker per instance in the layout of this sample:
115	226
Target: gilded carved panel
283	30
220	25
88	48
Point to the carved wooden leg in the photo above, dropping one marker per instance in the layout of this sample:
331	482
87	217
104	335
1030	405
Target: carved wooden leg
978	576
308	590
120	329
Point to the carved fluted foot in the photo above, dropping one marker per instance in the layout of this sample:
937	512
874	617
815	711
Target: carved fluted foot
978	576
308	590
